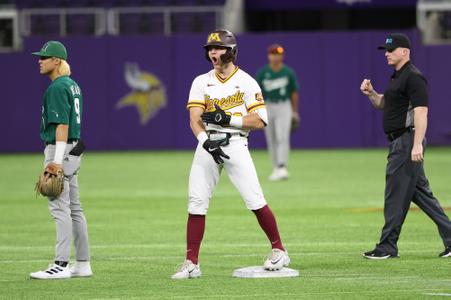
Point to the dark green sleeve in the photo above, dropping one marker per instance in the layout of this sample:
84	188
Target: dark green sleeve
58	107
294	85
258	77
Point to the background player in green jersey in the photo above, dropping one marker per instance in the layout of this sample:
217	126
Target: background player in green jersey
60	130
280	91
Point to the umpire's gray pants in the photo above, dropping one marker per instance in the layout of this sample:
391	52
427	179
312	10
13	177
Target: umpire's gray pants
277	131
66	210
406	182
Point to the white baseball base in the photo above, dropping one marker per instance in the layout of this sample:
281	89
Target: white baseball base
259	272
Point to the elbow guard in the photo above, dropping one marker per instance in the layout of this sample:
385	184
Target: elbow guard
263	114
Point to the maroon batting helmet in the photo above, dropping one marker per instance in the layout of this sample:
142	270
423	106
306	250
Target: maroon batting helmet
222	38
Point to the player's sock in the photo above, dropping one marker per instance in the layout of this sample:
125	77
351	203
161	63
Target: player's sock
61	263
268	223
194	234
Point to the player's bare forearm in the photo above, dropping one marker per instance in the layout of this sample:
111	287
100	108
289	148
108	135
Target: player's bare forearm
62	133
420	121
376	99
195	120
295	101
253	121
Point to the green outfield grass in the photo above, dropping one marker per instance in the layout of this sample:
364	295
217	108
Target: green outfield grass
328	214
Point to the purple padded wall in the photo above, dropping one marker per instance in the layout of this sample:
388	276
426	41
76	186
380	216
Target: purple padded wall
330	67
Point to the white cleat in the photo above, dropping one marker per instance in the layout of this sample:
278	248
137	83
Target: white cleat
81	269
54	271
274	176
283	173
276	260
187	270
279	174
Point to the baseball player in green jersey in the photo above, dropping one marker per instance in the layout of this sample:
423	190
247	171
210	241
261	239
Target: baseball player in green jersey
60	130
280	91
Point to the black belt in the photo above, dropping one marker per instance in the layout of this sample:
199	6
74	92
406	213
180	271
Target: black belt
229	134
69	141
396	134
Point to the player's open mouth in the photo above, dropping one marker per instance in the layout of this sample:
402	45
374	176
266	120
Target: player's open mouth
214	60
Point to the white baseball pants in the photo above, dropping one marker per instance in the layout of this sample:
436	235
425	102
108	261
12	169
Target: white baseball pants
205	174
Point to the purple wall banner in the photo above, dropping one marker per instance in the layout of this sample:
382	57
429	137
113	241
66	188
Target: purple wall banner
135	88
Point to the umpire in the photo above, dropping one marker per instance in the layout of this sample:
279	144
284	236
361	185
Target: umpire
405	108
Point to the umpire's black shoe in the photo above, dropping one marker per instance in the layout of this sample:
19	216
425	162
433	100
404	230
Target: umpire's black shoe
378	254
446	253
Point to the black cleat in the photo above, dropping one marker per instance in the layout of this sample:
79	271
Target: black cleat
446	253
378	254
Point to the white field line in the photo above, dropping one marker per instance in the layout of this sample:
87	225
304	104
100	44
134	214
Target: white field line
229	296
207	245
438	294
303	294
152	258
149	258
180	257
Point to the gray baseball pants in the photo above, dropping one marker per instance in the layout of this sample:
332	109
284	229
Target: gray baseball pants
406	182
66	210
277	131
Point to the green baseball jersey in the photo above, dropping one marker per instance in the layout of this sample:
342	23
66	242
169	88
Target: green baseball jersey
63	104
277	86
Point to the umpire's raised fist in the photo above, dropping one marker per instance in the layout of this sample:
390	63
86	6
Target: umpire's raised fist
366	87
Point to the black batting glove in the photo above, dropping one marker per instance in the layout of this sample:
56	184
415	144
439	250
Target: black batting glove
218	117
213	148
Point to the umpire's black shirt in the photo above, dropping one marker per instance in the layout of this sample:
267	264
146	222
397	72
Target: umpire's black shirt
407	90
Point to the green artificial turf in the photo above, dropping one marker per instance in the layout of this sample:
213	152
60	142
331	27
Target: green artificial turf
328	213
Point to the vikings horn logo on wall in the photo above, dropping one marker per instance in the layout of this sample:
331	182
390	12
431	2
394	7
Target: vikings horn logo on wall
148	94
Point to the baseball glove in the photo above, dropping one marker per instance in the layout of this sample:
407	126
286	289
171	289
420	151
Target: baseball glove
50	182
295	121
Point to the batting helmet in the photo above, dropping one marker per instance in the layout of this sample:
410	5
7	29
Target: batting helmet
222	38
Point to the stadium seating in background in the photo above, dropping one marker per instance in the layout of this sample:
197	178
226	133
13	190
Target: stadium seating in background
109	3
141	23
446	25
190	22
45	25
117	17
6	2
80	24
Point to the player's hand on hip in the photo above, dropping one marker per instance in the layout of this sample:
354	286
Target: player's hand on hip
215	150
417	153
218	117
366	87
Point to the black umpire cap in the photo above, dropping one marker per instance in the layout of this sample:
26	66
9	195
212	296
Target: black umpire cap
395	40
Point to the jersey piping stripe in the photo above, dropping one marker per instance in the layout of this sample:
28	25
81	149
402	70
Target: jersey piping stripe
197	101
255	106
230	76
195	105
